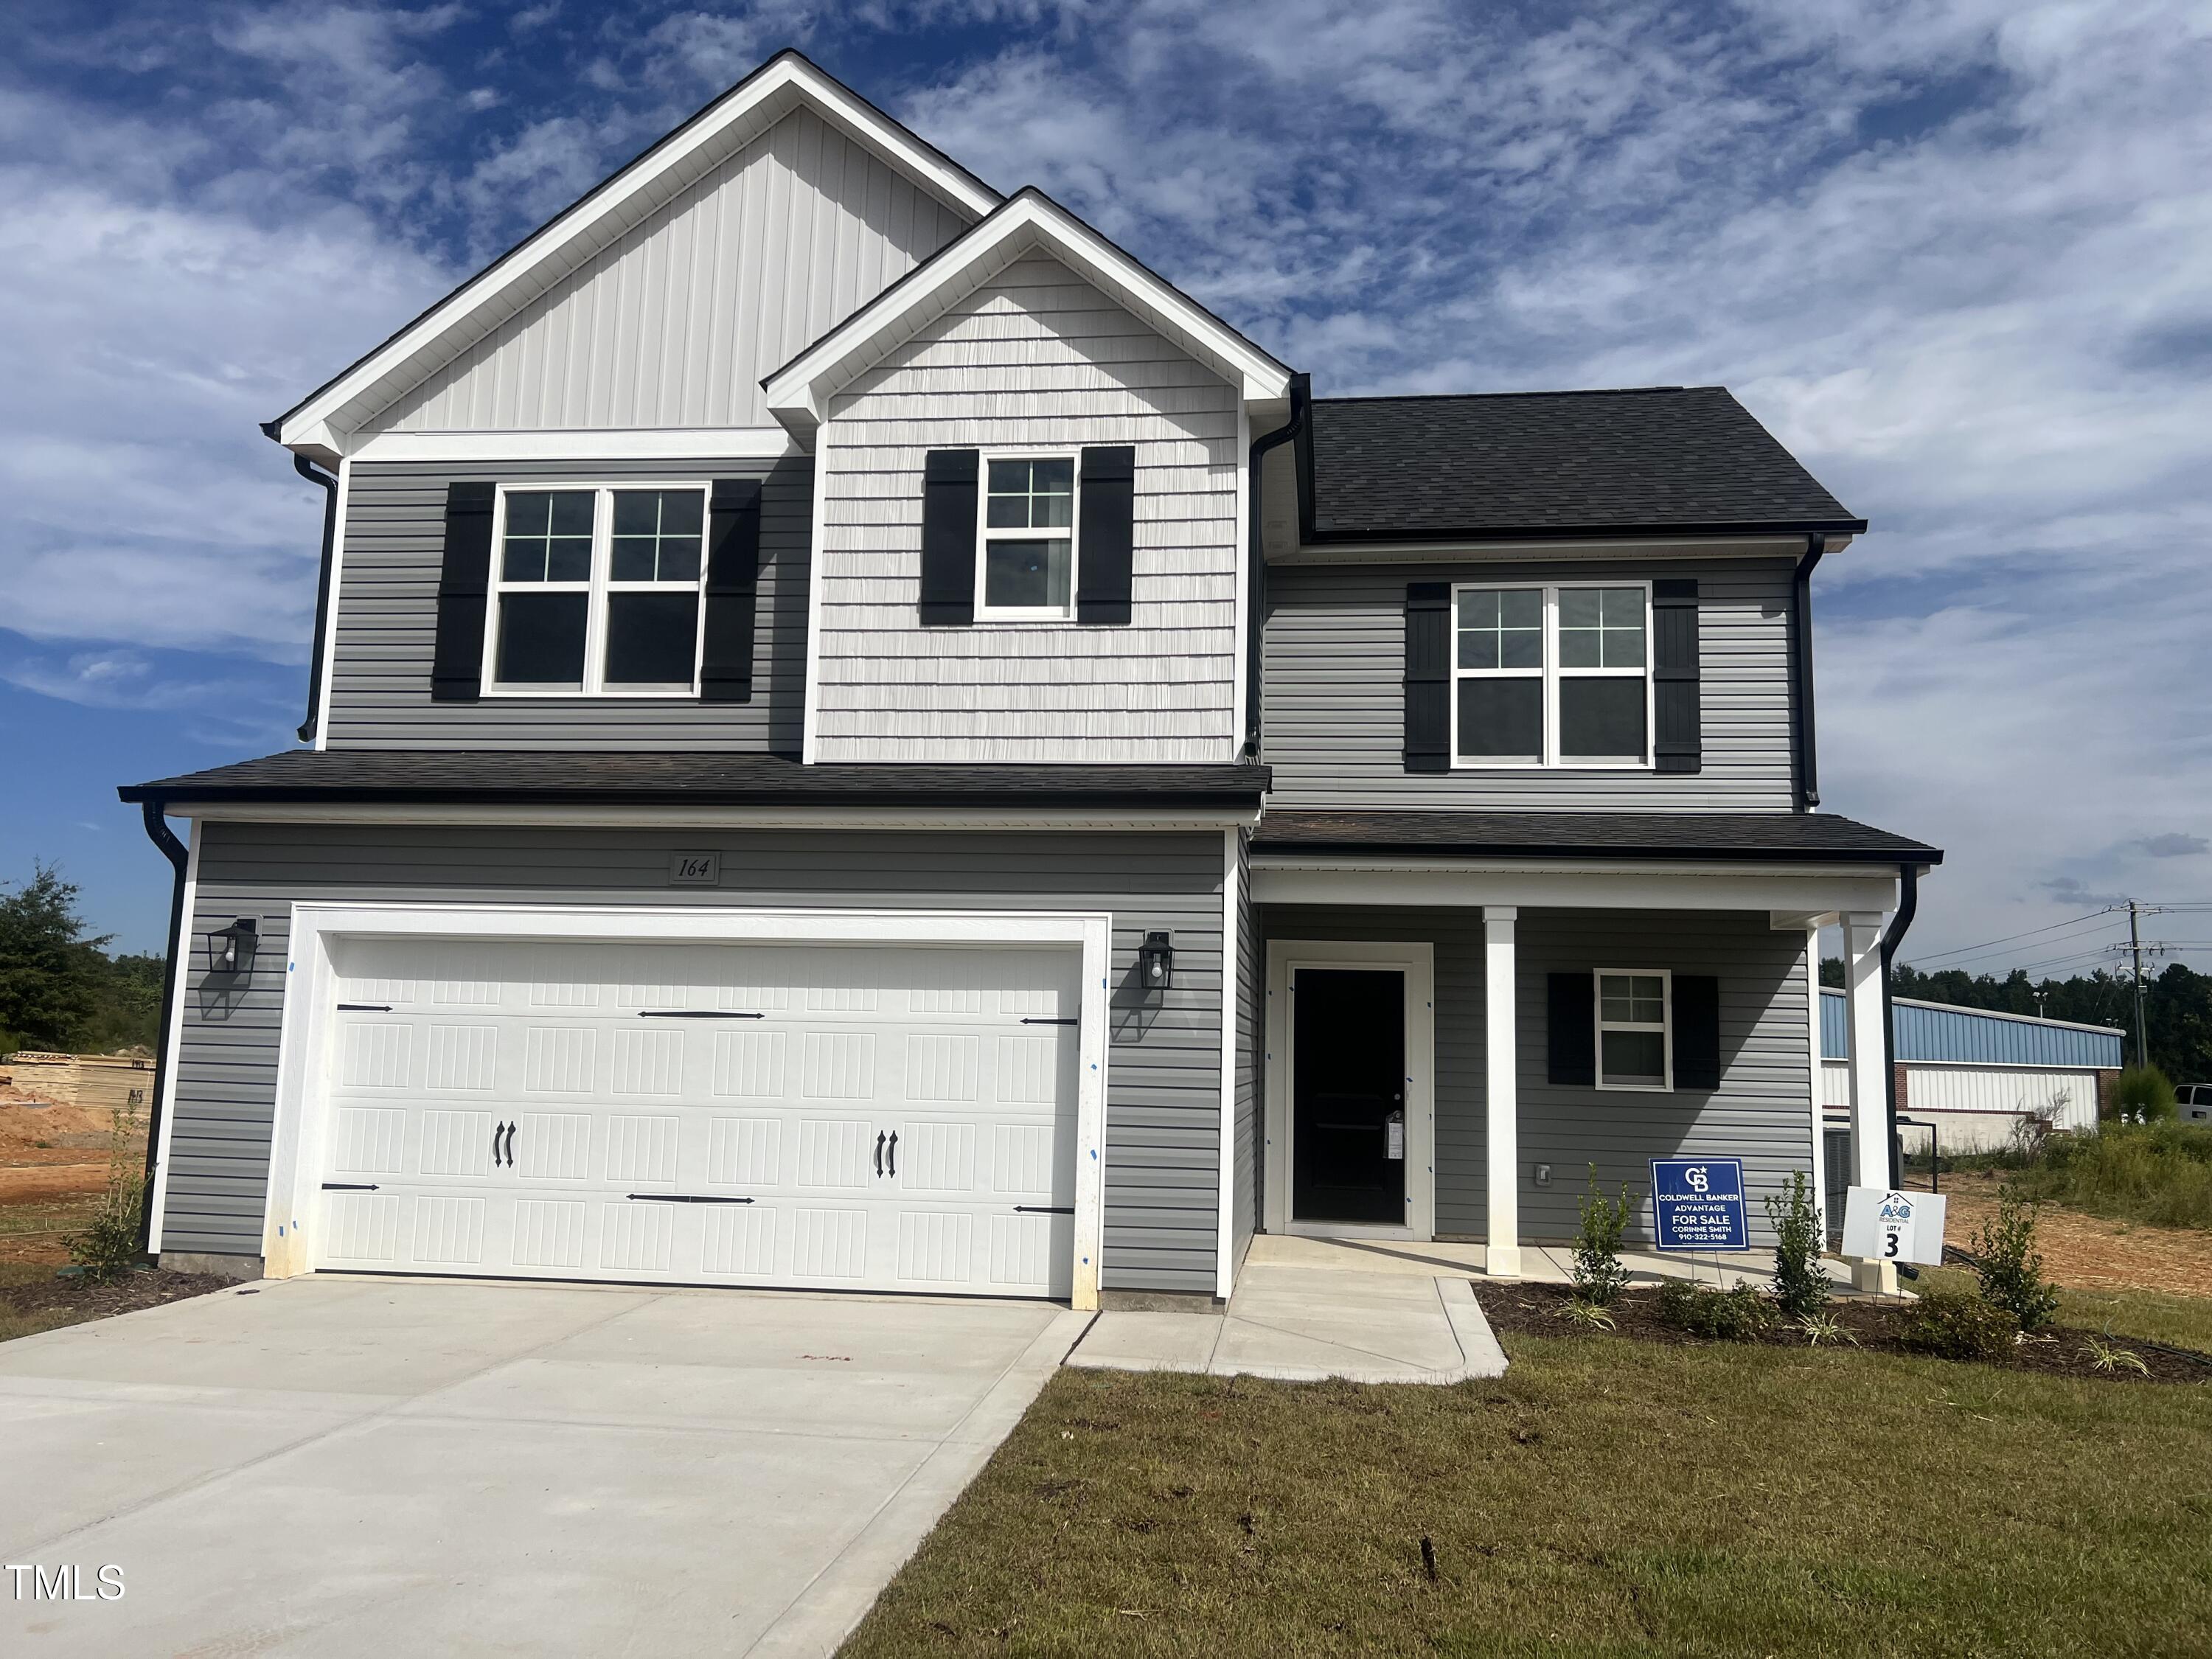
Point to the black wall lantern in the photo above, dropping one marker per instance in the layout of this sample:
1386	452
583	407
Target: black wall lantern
230	950
1156	961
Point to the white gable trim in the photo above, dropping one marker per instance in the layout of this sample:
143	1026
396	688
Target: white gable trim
799	393
723	128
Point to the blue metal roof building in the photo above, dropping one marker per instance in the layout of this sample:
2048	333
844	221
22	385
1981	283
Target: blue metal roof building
1937	1033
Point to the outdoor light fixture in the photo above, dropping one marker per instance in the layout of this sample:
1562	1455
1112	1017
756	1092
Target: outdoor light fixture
230	950
1157	962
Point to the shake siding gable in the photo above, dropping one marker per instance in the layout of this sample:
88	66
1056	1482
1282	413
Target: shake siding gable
1334	694
1034	358
387	620
678	321
1163	1085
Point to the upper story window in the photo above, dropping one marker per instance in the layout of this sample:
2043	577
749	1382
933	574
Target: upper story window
596	590
1552	676
1026	570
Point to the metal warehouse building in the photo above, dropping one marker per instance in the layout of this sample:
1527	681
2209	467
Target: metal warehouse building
1975	1075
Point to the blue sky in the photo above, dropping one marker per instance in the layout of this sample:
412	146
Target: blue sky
1953	254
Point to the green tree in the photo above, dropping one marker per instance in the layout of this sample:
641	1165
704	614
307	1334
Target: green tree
50	975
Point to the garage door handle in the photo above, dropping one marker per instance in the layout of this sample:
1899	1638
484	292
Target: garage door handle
682	1197
895	1155
1044	1209
349	1187
1031	1020
693	1013
364	1008
880	1154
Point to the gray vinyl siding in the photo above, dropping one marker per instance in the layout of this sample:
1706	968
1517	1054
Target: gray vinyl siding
387	622
677	322
1333	698
1244	1146
1034	357
1761	1113
1163	1106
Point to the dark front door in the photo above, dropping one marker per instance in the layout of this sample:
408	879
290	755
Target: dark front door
1348	1061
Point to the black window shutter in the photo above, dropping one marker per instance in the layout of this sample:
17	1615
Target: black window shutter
733	526
1428	677
1570	1034
948	538
1697	1031
1107	535
1678	738
464	584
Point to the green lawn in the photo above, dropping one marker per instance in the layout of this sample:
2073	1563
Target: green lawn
2184	1321
1604	1497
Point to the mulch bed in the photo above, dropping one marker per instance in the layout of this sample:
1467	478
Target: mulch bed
1534	1310
149	1288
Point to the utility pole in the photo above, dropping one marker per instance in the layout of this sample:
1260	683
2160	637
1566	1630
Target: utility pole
2135	946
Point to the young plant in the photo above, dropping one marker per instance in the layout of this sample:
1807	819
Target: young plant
1598	1274
107	1248
1801	1288
2010	1267
1739	1314
1959	1325
2101	1354
1584	1315
2146	1095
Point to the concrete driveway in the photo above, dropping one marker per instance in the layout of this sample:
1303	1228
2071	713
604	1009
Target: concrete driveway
336	1466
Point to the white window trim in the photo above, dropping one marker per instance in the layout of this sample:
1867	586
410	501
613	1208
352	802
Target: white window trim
1600	1025
1551	674
984	535
597	587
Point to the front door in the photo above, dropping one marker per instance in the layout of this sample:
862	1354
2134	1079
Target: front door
1349	1096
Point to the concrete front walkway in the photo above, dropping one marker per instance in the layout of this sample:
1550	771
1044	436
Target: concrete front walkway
336	1466
1305	1324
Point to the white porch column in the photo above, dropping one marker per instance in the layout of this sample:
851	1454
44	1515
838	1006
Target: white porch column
1501	1091
1817	1174
1869	1065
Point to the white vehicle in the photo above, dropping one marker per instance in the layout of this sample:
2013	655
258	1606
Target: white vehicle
2194	1102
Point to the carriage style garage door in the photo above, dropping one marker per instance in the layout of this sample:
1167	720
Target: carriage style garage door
870	1117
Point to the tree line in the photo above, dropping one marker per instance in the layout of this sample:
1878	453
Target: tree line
2177	1004
59	989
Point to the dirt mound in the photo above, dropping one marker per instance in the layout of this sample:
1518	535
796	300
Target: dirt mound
2087	1252
33	1131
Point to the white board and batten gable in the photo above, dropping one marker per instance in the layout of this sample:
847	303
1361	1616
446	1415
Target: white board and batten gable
1030	333
657	303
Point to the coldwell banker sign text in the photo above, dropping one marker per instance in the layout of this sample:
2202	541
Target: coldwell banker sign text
1697	1203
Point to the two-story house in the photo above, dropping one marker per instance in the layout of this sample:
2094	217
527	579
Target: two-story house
859	738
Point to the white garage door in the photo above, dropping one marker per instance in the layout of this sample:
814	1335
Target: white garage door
866	1117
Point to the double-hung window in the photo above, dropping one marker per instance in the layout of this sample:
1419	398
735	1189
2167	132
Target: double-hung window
1026	568
596	590
1552	676
1634	1038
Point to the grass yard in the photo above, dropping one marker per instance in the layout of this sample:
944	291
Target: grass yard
1605	1497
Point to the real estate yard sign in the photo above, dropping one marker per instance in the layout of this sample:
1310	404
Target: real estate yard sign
1881	1224
1697	1204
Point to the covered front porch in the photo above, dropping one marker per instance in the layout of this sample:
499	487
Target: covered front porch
1455	1036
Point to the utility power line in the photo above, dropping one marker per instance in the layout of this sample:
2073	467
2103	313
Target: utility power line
1971	950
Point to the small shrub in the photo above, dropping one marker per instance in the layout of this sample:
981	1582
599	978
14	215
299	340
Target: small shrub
1801	1288
1597	1273
2146	1095
1584	1314
107	1247
1739	1314
1824	1328
2011	1268
1959	1325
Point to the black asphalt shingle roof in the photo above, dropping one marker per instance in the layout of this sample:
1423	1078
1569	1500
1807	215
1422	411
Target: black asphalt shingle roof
553	777
1659	460
1808	836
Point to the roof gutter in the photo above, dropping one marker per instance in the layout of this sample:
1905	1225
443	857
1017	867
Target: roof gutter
1256	607
1908	901
164	1083
315	475
1800	672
